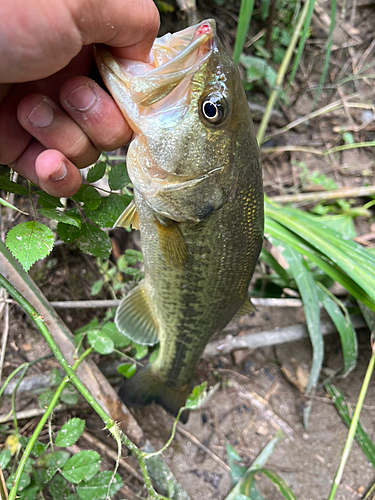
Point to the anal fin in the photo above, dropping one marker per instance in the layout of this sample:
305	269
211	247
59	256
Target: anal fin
246	308
129	217
172	242
135	319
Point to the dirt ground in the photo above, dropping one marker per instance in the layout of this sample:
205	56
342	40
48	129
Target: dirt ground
255	398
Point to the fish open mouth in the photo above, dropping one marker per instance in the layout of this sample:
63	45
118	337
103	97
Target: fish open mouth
173	58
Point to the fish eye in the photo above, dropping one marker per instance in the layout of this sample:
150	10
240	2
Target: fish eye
213	109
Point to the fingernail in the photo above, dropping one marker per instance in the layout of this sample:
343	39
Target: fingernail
41	116
82	98
60	173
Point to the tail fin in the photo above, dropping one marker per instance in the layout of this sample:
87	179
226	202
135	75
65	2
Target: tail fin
144	388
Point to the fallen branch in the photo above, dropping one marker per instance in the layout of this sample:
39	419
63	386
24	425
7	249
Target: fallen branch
325	195
270	337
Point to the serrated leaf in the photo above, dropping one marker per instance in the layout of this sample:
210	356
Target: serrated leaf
96	172
94	241
51	213
118	176
69	395
110	209
79	194
197	395
45	398
59	488
70	432
100	342
5	457
92	325
127	369
91	198
45	200
24	481
29	242
118	338
82	466
67	233
53	461
12	187
97	488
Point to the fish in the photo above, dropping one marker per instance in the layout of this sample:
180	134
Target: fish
198	203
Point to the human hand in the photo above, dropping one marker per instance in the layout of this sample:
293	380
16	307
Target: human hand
53	118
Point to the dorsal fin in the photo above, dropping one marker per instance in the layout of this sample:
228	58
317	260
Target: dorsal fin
129	217
246	308
135	318
172	242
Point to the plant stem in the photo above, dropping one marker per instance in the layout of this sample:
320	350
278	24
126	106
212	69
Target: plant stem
244	18
281	74
39	427
353	426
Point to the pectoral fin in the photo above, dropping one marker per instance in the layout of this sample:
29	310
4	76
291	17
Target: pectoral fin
246	308
129	217
172	242
135	319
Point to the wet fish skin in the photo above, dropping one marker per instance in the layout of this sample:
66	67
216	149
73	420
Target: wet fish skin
199	200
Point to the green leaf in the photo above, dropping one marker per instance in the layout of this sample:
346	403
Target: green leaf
237	471
92	325
29	242
79	194
5	457
127	369
361	436
38	447
96	172
118	176
9	205
70	432
91	198
12	187
45	398
51	213
45	200
29	493
154	355
100	342
55	378
110	209
274	478
82	466
24	481
94	241
59	488
69	395
67	233
118	338
341	318
96	287
197	396
97	488
53	461
141	351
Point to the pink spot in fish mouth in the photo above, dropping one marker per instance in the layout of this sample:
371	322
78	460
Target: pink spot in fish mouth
204	29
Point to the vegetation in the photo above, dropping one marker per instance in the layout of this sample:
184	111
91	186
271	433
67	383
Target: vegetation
318	248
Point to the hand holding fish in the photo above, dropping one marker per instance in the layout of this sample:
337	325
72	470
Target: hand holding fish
53	118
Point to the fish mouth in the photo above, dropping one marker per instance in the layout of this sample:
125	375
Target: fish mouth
173	58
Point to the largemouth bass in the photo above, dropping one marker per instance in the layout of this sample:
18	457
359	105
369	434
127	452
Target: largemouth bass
198	202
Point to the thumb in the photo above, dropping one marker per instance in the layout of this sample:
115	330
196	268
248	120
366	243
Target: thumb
129	26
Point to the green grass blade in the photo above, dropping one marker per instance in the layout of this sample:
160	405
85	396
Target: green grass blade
279	231
246	11
273	264
308	292
361	436
341	318
303	39
328	51
274	478
256	465
349	256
